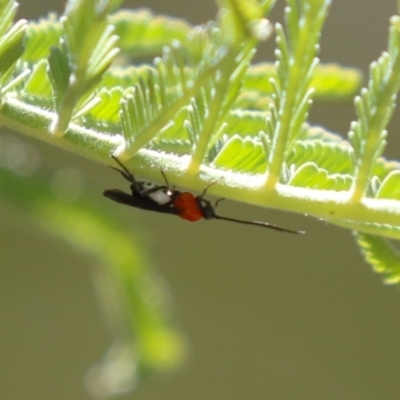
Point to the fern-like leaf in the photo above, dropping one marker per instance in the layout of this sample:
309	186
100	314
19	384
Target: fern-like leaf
37	88
295	66
333	157
86	50
309	175
241	155
41	36
390	187
331	82
11	45
153	103
374	109
144	34
150	109
382	255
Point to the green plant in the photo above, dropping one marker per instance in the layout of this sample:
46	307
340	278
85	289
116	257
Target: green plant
203	114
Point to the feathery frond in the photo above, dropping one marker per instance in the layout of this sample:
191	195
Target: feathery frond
86	49
296	63
11	46
374	109
207	117
382	255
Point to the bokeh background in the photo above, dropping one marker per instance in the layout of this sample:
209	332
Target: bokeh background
268	315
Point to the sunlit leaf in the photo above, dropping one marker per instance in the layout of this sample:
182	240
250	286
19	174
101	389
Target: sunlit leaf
309	175
374	108
382	255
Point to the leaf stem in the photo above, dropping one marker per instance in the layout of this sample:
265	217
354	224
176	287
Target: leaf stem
37	122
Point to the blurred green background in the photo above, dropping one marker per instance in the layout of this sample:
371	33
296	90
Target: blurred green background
268	315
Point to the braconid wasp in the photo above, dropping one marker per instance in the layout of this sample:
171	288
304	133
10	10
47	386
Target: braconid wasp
164	200
143	195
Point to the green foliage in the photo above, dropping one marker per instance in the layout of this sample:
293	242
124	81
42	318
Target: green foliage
41	36
150	32
11	45
382	255
86	49
374	109
205	115
330	82
292	92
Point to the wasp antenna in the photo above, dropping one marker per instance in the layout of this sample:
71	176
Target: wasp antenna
125	172
208	186
261	224
219	201
121	165
165	178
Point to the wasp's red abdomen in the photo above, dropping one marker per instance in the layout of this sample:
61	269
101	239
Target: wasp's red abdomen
188	207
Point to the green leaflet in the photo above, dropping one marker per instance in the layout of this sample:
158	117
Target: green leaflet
175	132
40	37
8	10
246	16
59	74
209	110
335	158
374	108
37	89
11	46
381	254
390	187
311	176
245	122
106	110
141	33
383	167
86	49
144	34
296	62
241	155
177	147
378	251
331	82
150	106
125	77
